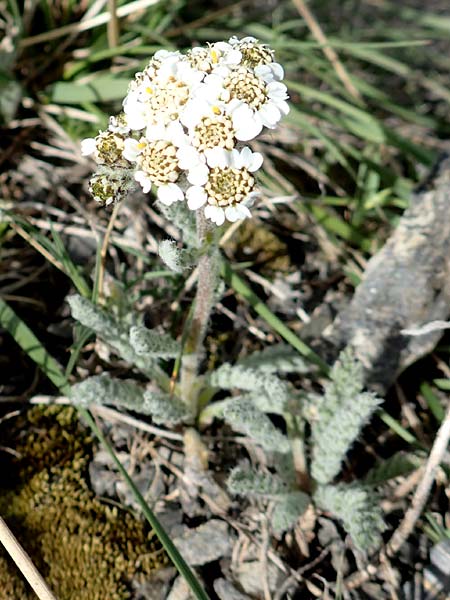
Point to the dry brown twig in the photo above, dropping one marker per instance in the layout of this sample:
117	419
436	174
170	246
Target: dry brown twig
24	564
329	52
423	489
419	499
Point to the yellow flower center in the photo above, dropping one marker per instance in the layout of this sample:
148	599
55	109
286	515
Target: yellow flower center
159	161
245	86
228	186
164	103
254	54
109	147
211	132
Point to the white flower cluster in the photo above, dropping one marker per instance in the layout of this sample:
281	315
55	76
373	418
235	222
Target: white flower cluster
184	125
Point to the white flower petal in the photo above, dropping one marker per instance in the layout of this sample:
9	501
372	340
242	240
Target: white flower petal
233	57
175	134
283	107
264	72
169	193
195	109
88	146
164	54
136	119
198	175
217	157
277	70
215	214
142	178
269	115
237	212
131	149
196	197
156	131
246	123
256	160
250	199
189	157
236	160
275	89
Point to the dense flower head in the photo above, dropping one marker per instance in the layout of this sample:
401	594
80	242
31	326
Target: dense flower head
184	123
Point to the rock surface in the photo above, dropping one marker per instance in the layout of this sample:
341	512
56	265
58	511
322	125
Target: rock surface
406	286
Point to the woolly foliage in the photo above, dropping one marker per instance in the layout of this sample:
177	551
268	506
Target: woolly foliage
280	358
97	319
359	510
165	409
247	482
108	329
247	418
288	508
184	219
176	259
274	392
104	389
153	344
85	549
341	414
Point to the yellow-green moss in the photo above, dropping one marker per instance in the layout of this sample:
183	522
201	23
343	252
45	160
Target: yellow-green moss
85	549
262	247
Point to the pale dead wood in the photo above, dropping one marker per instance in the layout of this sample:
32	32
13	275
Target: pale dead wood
24	563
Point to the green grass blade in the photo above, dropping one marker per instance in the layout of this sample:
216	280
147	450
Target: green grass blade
30	344
334	224
398	429
433	402
104	88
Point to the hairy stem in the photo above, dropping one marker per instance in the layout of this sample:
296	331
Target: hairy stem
296	433
206	285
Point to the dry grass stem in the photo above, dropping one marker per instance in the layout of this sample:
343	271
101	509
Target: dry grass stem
113	25
101	19
23	562
329	52
423	489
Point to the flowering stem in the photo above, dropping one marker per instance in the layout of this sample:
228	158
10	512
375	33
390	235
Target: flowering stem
104	251
208	268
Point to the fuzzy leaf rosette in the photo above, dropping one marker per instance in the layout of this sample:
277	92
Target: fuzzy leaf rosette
185	123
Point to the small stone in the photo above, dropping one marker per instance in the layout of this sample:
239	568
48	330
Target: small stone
250	576
180	590
226	591
211	541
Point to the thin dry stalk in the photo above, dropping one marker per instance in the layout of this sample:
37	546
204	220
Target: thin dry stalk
418	502
329	52
100	19
113	25
423	489
24	564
